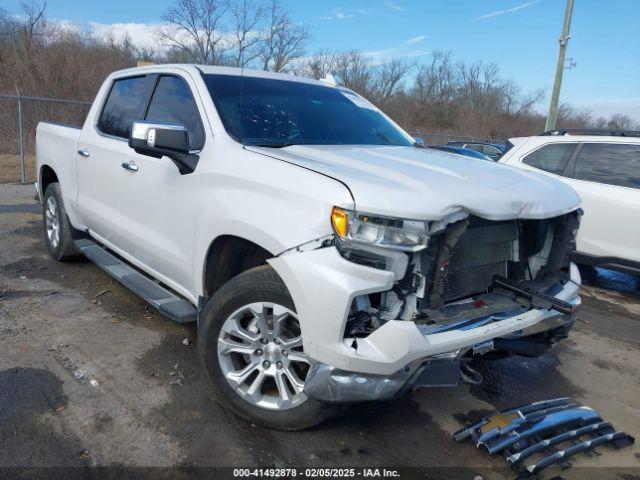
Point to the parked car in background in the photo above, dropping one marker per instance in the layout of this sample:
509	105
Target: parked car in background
326	259
467	152
492	150
604	168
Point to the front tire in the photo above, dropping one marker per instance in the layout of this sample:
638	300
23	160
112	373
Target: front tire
250	346
58	232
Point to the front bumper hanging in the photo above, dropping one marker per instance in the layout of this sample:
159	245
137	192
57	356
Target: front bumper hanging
323	286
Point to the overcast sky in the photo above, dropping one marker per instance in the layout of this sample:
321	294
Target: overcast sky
520	35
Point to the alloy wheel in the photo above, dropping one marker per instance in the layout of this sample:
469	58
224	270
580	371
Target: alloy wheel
261	356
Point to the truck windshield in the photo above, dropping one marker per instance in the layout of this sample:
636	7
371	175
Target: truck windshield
278	113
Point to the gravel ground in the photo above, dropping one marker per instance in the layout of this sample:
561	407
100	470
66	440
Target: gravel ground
89	376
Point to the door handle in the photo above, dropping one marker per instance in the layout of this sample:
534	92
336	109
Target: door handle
131	166
84	152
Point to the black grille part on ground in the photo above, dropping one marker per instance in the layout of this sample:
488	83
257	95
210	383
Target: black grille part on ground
555	430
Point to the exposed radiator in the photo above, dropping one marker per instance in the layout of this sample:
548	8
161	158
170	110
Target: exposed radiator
483	251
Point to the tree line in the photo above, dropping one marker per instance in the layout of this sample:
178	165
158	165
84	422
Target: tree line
436	94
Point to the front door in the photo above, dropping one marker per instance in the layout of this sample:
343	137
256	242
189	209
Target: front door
159	205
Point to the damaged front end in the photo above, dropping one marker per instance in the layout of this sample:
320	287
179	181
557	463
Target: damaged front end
419	301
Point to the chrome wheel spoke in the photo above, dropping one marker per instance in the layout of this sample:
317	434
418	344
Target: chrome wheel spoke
289	343
235	329
237	378
296	383
260	313
278	325
254	390
226	346
297	357
283	391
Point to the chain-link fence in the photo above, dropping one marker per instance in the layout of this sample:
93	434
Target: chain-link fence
19	117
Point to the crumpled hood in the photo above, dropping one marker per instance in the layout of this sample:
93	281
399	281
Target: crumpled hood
425	184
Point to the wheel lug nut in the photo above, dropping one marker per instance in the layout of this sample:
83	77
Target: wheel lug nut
266	364
258	352
279	364
276	341
264	341
284	353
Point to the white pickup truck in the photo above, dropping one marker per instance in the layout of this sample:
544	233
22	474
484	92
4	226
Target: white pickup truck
327	257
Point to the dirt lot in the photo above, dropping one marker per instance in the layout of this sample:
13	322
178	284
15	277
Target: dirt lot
10	168
66	326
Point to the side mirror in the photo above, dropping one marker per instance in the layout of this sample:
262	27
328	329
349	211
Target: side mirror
162	139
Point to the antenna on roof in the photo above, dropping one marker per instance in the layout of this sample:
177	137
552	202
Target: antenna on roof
329	80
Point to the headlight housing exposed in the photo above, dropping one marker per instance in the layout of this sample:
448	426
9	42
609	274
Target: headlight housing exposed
386	232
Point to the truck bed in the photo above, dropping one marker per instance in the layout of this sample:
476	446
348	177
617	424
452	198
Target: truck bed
56	146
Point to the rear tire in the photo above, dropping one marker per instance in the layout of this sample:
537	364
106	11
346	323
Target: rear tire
247	330
58	232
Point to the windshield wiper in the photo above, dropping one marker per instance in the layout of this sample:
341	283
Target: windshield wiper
273	145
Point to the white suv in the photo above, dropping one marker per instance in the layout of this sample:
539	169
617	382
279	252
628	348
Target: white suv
604	168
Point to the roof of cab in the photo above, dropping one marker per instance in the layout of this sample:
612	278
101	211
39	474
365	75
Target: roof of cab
219	70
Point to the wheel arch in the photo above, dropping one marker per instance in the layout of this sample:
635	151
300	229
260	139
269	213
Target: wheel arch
227	257
46	177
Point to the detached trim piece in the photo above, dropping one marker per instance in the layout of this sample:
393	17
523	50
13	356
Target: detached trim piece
562	455
536	428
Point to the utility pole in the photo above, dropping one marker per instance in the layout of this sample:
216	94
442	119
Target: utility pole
557	84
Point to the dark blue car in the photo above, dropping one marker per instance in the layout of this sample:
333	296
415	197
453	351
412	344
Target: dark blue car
492	150
467	152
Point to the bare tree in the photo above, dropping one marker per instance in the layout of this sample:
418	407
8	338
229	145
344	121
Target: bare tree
195	27
389	77
353	70
246	16
619	121
282	40
34	19
317	66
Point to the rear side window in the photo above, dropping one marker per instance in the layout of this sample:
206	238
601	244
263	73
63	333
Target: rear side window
122	106
614	164
551	158
172	102
490	150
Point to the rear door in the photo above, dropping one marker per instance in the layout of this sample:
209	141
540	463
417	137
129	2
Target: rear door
101	150
607	177
159	205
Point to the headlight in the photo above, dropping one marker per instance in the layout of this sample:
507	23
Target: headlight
394	233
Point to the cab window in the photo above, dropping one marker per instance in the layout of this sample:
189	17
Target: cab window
172	102
122	106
